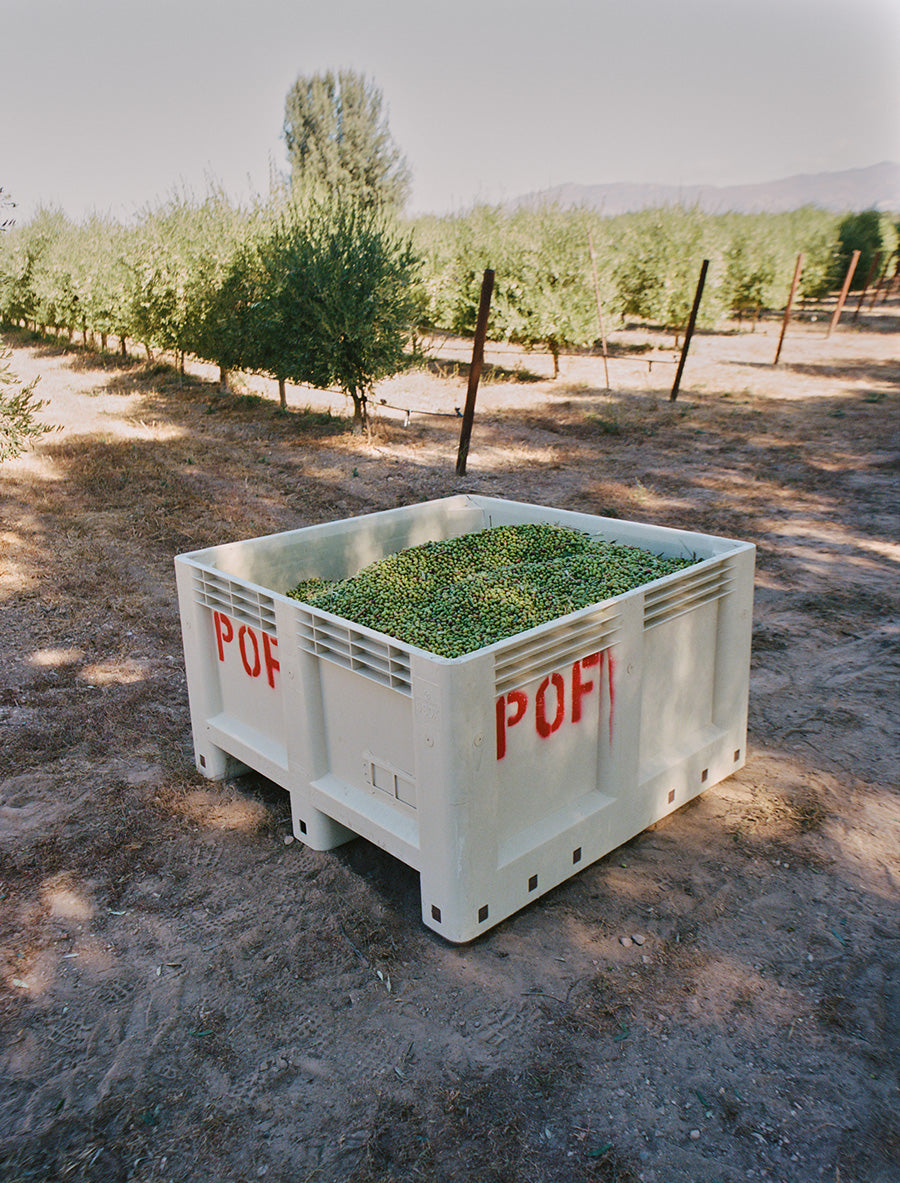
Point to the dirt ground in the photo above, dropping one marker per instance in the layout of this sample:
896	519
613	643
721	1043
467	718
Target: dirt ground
185	995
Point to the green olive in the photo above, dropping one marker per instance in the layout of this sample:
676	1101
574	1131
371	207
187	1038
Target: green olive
457	595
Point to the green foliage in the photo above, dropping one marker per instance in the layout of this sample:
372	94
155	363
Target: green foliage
328	289
812	232
750	270
98	277
159	257
219	231
871	233
27	268
550	300
454	596
6	203
543	291
338	140
18	407
663	252
331	298
648	264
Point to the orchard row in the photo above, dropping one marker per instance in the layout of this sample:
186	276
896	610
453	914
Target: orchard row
326	292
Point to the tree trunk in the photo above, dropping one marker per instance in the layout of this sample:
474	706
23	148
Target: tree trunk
360	413
282	397
223	378
181	362
149	354
122	347
103	339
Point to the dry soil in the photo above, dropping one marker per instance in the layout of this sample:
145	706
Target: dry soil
184	995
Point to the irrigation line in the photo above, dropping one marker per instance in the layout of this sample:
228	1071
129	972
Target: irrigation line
407	411
524	353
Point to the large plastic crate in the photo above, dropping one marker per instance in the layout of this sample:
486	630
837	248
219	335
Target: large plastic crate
496	775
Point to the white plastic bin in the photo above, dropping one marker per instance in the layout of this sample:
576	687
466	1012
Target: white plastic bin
496	775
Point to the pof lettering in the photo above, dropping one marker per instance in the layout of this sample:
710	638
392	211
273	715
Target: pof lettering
552	704
254	657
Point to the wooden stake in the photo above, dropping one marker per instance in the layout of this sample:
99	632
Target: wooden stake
876	262
787	312
487	286
599	308
888	283
854	259
689	331
881	281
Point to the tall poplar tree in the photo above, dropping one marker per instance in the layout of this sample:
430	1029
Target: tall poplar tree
338	140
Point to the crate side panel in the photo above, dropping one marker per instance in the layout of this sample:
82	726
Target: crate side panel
369	737
551	736
678	684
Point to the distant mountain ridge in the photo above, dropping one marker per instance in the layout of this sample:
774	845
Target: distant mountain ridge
875	187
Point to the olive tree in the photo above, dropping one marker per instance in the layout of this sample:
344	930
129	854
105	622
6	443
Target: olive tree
872	233
27	291
6	203
329	289
18	405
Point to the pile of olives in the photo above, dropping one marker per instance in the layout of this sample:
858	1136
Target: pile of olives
460	594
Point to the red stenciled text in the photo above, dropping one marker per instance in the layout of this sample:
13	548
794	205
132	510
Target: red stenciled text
558	699
256	655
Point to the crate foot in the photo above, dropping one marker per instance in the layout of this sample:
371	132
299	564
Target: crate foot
316	829
215	764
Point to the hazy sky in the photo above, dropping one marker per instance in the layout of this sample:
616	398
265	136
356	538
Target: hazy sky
112	104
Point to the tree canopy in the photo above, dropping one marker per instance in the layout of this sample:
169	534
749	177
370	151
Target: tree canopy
331	296
18	405
338	140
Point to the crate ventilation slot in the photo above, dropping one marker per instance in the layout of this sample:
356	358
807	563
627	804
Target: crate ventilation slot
354	650
236	600
536	655
690	592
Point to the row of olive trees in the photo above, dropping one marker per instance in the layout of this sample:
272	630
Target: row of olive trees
647	265
319	286
317	289
327	289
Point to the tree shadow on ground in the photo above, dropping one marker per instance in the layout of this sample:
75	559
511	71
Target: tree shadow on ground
884	373
490	372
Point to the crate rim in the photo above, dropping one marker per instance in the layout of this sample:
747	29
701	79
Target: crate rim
195	559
